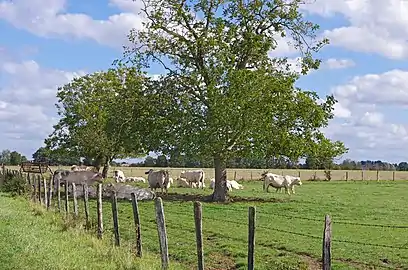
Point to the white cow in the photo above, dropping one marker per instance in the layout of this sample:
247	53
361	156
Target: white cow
279	181
230	184
119	176
135	179
235	185
196	176
158	179
182	182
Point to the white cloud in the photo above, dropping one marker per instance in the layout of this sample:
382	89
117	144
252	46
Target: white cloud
364	120
51	20
27	99
374	26
333	63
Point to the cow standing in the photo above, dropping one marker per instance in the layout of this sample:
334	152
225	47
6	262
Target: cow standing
196	176
279	181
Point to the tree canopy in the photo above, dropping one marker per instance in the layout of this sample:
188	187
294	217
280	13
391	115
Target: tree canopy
95	112
222	95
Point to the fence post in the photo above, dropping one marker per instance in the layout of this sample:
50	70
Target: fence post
362	175
161	230
393	176
137	225
235	175
251	175
378	175
74	195
347	176
115	218
59	194
99	209
34	187
198	216
39	188
66	197
86	205
50	188
326	252
251	237
299	174
45	192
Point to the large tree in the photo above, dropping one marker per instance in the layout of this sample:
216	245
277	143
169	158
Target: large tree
95	112
222	94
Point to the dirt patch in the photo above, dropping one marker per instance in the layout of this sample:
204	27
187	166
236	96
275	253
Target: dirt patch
312	263
220	262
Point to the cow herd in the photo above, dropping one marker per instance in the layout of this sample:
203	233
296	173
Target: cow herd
161	179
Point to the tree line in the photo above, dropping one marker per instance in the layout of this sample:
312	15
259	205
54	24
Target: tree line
53	158
220	98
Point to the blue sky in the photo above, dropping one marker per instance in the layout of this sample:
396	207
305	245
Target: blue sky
365	66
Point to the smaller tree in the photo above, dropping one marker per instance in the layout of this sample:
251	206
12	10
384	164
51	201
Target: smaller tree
16	158
95	112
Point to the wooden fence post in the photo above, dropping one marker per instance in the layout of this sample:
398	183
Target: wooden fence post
251	175
45	192
235	175
39	188
34	188
299	174
378	175
347	176
86	204
50	188
362	175
251	237
99	209
326	252
161	230
115	218
393	176
66	197
59	194
198	216
137	225
74	195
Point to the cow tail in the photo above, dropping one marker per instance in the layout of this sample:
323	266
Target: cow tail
202	179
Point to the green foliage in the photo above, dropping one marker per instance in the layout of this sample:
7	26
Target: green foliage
13	158
96	111
222	95
14	184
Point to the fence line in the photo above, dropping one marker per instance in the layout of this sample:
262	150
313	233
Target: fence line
40	195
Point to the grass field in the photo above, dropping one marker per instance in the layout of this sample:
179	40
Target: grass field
289	228
34	239
247	174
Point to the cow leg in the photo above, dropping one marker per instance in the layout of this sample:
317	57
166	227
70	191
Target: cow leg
293	189
267	188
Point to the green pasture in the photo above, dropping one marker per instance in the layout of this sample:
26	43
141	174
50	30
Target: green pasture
289	228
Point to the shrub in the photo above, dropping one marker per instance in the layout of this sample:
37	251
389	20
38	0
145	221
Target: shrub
15	184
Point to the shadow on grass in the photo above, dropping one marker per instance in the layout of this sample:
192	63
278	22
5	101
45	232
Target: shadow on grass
207	198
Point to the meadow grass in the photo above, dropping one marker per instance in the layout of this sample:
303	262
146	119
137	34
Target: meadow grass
33	238
289	229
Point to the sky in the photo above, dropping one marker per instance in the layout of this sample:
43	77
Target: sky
46	43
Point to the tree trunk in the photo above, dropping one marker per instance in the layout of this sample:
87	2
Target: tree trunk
105	169
220	188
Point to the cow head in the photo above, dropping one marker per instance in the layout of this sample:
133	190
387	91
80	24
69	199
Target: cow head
296	181
97	177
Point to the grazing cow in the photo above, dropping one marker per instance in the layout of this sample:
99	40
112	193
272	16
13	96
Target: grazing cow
77	177
196	176
76	168
135	179
158	179
182	182
119	176
279	181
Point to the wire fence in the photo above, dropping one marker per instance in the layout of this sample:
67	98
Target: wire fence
219	224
